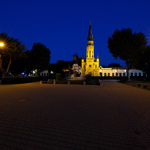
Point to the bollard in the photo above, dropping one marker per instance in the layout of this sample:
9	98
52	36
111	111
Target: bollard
54	81
41	82
100	82
84	83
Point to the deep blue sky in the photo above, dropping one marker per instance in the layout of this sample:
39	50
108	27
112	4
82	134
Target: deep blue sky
62	25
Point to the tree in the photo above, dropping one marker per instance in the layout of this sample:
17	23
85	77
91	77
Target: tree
144	62
21	64
12	49
114	65
39	57
127	46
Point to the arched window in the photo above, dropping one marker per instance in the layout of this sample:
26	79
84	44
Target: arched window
89	53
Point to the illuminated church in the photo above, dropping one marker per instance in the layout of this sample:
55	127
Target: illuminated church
91	64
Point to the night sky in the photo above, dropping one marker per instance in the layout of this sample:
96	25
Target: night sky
62	25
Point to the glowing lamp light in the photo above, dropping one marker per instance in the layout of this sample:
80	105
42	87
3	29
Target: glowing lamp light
22	73
1	44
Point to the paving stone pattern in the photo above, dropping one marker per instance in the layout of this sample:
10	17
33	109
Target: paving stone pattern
38	116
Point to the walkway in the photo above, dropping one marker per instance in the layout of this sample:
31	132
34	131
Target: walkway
74	117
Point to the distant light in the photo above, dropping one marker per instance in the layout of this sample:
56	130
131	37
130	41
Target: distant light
115	70
52	72
124	70
33	71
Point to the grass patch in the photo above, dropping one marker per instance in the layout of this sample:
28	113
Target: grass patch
139	84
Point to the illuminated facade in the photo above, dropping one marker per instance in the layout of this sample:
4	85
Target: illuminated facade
90	65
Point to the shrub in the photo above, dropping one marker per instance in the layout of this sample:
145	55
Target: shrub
58	76
17	80
88	77
123	79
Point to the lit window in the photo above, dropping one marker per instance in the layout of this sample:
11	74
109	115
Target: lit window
89	53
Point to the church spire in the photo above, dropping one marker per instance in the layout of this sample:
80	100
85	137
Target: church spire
90	36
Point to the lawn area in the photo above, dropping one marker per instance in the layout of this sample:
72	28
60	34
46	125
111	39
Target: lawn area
140	84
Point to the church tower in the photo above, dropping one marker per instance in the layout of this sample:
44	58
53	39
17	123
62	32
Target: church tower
90	65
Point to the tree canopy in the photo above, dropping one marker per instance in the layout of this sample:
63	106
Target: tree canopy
114	65
12	49
39	57
144	62
127	46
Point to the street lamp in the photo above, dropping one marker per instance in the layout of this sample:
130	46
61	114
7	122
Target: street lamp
1	45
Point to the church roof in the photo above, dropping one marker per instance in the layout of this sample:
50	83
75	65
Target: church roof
90	36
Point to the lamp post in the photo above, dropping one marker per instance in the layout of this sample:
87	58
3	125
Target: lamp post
1	45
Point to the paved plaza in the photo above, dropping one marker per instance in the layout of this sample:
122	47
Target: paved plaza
36	116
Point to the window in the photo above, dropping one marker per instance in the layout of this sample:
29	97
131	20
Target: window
95	66
89	53
116	74
105	74
89	65
108	74
124	74
101	74
131	74
135	74
120	74
139	74
112	74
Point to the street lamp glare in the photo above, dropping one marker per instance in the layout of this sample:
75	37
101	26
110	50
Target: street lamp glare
1	44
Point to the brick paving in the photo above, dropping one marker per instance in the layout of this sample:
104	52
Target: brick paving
38	116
